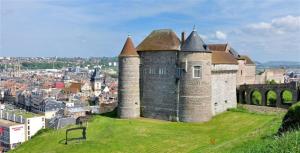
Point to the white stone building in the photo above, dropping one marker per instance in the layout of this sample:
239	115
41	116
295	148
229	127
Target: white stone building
224	68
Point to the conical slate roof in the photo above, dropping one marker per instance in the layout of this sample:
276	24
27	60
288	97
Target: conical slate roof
194	43
128	48
160	40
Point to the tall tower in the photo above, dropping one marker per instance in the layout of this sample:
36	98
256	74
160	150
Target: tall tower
195	83
159	91
96	82
129	81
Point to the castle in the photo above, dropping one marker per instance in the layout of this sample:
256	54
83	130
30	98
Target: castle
179	80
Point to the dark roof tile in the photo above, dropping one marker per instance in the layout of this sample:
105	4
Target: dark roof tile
194	43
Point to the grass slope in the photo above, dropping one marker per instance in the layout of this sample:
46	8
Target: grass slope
104	134
289	143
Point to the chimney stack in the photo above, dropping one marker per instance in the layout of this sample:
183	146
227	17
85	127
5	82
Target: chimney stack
182	38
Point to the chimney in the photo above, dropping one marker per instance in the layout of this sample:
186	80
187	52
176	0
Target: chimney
182	38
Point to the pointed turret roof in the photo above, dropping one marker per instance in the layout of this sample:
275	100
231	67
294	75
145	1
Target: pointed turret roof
128	48
194	43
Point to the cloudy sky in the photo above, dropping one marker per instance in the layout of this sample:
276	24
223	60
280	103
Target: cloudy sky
263	29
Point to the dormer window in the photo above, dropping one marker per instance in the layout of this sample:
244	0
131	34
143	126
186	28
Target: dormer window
197	71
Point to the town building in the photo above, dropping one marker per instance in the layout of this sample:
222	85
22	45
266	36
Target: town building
36	99
32	122
12	134
96	82
292	77
276	75
49	107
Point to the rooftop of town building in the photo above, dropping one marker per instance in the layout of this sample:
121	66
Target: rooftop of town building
25	114
7	123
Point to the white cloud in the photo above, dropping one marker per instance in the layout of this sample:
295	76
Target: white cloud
288	23
278	25
277	39
220	35
262	25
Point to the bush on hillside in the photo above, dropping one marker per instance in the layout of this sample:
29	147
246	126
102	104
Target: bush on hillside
291	119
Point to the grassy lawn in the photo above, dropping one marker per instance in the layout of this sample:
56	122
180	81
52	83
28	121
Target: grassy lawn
287	143
104	134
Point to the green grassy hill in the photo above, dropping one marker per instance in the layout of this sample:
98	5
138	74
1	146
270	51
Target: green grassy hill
222	134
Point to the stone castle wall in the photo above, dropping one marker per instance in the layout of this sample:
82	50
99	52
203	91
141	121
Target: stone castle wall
129	87
250	71
159	95
195	93
223	87
246	73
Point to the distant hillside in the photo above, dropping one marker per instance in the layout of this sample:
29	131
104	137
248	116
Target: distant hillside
282	63
278	64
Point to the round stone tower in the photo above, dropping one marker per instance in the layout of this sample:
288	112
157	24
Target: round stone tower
129	82
195	104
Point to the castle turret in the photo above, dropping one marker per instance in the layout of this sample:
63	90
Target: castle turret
195	82
129	85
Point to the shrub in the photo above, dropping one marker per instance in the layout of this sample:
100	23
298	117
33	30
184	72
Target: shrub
291	119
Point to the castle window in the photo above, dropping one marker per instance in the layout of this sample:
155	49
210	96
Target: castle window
179	72
197	72
151	71
162	71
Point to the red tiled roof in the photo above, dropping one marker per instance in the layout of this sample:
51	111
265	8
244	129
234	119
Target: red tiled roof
223	58
247	59
160	40
217	47
128	49
59	85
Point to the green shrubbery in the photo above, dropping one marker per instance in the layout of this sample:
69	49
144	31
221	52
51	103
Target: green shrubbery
256	98
291	120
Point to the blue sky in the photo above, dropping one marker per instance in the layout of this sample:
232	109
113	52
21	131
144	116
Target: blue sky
263	29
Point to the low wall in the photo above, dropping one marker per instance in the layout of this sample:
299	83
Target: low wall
263	109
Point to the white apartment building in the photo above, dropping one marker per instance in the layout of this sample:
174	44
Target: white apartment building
12	134
32	122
